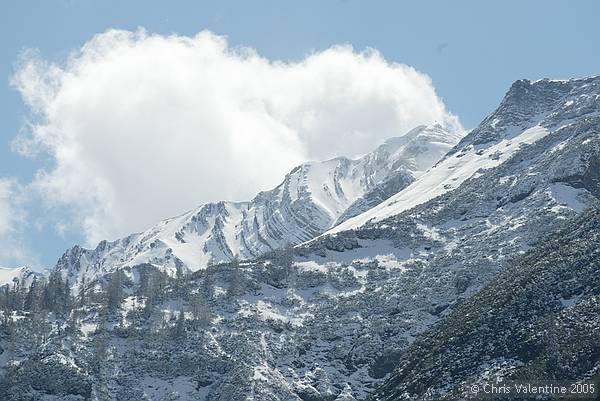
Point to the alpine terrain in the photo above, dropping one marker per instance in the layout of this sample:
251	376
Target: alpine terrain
432	263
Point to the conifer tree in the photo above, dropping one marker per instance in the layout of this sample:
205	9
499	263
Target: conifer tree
82	296
180	325
32	298
235	286
114	291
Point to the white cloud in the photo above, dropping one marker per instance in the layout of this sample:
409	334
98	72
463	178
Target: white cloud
12	217
8	213
141	127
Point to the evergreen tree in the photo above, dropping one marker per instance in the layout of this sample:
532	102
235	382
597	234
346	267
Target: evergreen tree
148	300
180	325
82	296
40	328
235	286
200	311
32	298
207	286
46	299
114	291
14	298
5	298
180	282
67	302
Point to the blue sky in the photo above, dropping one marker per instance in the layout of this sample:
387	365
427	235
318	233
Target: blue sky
472	51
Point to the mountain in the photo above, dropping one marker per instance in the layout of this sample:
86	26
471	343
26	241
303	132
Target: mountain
331	319
18	276
539	318
410	261
529	112
312	198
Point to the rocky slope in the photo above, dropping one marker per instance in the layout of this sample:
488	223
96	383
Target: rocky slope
539	318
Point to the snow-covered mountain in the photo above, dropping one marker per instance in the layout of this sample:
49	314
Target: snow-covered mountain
331	318
312	198
529	112
18	275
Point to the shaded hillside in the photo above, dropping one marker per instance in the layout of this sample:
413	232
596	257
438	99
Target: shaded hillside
538	319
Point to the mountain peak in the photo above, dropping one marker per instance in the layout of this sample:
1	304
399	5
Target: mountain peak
22	275
527	103
529	112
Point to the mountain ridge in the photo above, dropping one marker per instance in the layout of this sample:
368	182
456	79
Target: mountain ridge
539	106
312	197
